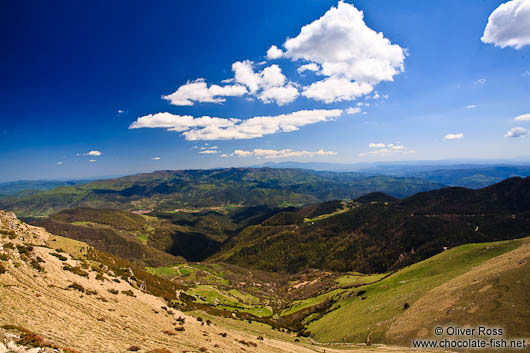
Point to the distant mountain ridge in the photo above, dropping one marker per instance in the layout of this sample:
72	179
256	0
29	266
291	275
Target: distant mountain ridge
170	190
465	174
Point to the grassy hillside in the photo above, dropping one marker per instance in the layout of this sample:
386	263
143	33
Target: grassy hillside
374	308
199	189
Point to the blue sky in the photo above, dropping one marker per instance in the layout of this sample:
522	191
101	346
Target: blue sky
83	83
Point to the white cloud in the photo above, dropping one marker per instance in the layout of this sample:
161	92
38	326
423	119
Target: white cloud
274	53
384	149
336	89
121	111
280	95
343	45
457	136
198	91
471	106
347	50
59	163
376	145
155	158
273	154
308	67
480	81
94	153
212	128
517	132
91	160
509	25
352	110
208	152
524	117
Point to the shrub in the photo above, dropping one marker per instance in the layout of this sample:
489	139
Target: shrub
9	246
4	257
59	256
2	269
159	350
180	328
129	293
406	306
113	291
134	348
76	270
76	286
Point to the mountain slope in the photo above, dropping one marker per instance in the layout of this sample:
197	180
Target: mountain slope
379	237
474	284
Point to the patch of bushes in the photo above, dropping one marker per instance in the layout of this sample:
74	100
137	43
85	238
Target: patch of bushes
76	286
247	343
24	250
113	291
4	257
9	246
59	256
35	264
76	270
129	293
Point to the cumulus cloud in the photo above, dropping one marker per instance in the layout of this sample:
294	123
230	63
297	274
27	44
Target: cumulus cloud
384	149
509	25
272	154
280	95
155	158
212	128
308	67
524	117
274	53
458	136
198	91
517	132
347	50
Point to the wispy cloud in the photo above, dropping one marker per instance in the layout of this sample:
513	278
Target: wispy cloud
155	158
212	128
91	160
480	81
471	106
59	163
457	136
209	152
274	154
384	149
524	117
